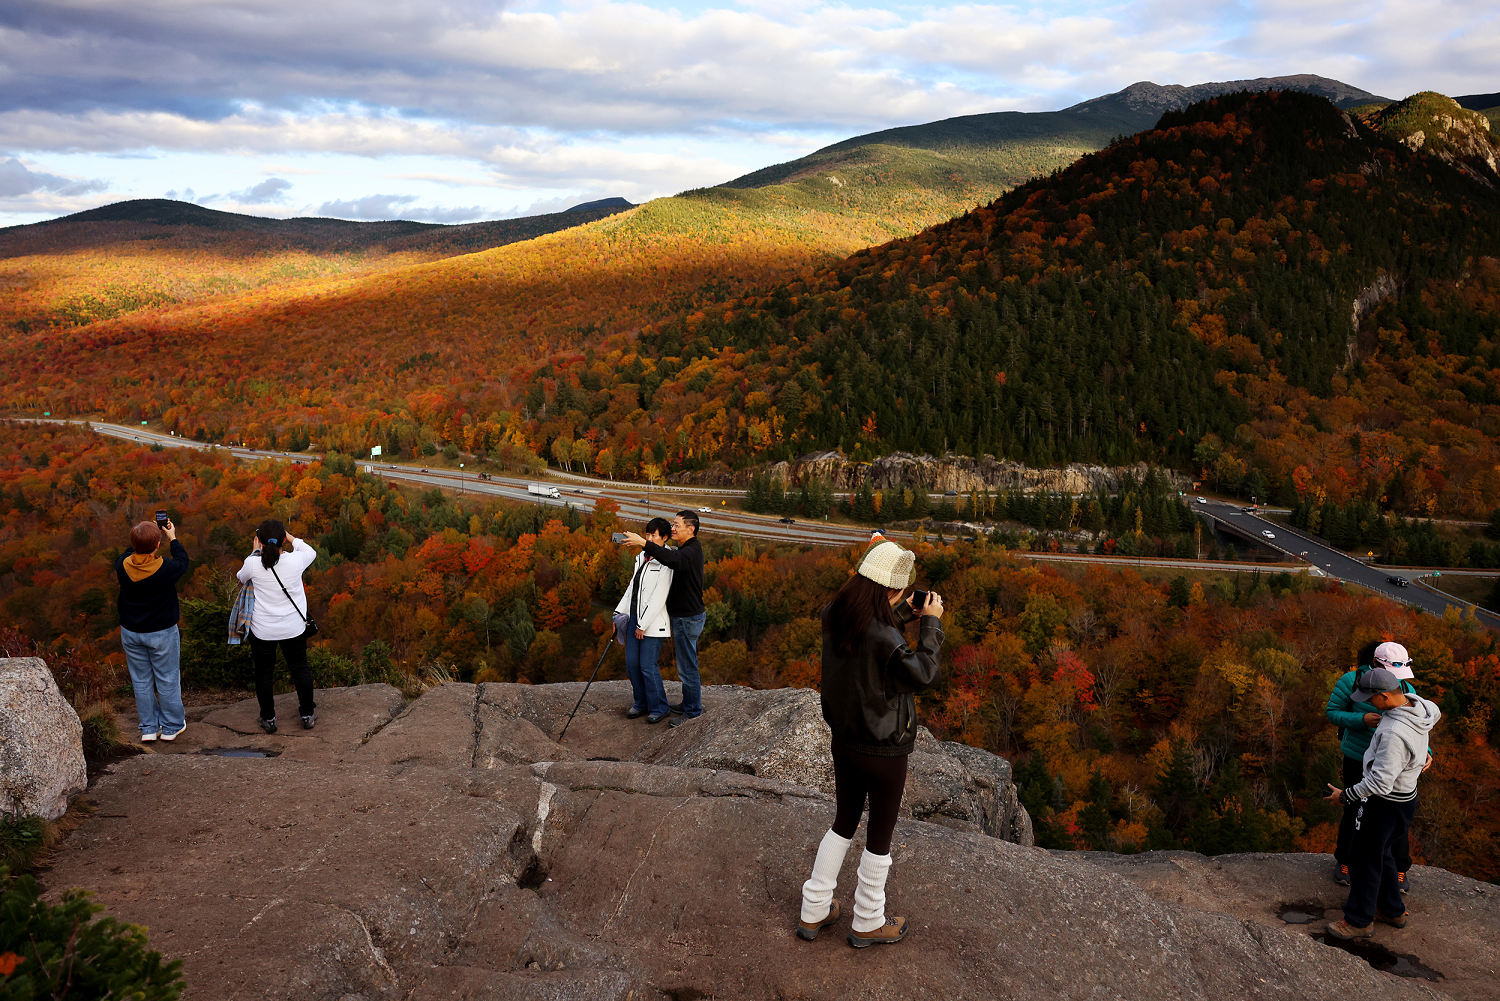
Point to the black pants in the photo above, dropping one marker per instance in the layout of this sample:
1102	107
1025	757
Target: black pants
1372	866
1354	771
882	780
263	655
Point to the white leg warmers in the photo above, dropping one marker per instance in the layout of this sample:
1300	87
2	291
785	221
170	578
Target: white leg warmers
817	892
869	895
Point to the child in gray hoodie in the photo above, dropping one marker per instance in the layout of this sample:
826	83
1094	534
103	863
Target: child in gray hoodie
1388	799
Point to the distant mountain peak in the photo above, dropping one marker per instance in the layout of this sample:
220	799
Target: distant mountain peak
619	204
1146	96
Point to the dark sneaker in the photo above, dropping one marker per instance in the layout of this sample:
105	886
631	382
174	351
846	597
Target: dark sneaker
308	721
810	931
268	725
681	720
676	707
1342	929
893	931
1399	921
656	717
634	713
1402	882
1341	875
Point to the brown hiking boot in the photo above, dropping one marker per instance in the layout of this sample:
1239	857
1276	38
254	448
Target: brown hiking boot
893	931
1399	921
1344	930
810	931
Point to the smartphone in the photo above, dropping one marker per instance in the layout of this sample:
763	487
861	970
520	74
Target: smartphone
918	599
161	519
617	538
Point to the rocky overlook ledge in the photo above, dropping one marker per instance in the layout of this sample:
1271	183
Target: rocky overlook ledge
450	847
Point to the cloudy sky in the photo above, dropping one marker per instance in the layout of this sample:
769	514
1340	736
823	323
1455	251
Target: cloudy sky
456	110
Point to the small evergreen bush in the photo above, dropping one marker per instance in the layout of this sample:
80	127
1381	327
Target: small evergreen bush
21	840
61	952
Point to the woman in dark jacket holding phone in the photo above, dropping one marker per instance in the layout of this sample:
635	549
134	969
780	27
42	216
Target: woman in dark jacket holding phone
869	678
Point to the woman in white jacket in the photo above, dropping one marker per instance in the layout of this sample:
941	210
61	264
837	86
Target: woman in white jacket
280	617
645	601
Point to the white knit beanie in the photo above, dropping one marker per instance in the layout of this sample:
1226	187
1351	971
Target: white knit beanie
889	565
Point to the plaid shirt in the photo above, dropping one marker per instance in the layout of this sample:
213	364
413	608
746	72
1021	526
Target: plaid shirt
239	614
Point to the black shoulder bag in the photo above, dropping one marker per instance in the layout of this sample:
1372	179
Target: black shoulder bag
312	624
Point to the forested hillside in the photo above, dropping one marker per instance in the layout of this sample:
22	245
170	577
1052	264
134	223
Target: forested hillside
1140	712
1262	291
1187	296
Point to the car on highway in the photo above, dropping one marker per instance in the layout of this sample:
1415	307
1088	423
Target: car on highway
785	521
705	510
1202	500
1268	533
1397	581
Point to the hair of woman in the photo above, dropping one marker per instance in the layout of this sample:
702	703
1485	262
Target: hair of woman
857	604
272	536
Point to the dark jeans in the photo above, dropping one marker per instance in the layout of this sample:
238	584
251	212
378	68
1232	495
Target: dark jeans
263	656
1354	771
879	778
1372	866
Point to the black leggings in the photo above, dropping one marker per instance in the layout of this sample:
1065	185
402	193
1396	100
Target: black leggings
880	778
263	656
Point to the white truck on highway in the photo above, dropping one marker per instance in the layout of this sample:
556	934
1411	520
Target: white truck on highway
542	490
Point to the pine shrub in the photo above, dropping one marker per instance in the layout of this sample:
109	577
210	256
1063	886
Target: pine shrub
62	951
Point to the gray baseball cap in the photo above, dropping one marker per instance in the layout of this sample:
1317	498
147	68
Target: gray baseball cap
1372	683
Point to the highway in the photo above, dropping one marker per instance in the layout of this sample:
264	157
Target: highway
1333	563
637	504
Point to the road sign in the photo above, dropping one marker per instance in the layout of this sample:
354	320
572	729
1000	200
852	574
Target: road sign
374	451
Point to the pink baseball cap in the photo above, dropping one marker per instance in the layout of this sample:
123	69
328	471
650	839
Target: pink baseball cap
1394	658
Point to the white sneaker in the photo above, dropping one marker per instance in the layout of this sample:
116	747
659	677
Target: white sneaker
174	734
147	738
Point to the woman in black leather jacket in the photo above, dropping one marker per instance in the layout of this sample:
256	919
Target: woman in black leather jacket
869	678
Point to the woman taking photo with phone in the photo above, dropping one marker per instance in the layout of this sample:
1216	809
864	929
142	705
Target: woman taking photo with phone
869	678
280	617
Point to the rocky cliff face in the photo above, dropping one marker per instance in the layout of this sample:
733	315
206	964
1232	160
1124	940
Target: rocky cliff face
901	470
1438	125
451	847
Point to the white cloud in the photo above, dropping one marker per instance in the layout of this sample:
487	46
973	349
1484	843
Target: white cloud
374	208
17	179
556	102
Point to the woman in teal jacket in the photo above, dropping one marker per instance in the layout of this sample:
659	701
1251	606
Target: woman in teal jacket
1356	722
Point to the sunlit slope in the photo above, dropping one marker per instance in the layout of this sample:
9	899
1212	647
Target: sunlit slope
156	253
337	354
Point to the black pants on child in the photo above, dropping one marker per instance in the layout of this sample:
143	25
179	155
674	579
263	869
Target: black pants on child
1372	866
1354	771
263	656
881	779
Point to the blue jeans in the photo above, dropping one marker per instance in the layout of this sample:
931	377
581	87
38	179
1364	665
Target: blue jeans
154	662
685	632
646	689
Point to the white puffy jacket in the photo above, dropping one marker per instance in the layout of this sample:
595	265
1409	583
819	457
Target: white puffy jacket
655	580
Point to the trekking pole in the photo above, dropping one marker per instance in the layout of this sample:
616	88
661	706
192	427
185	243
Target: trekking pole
585	691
